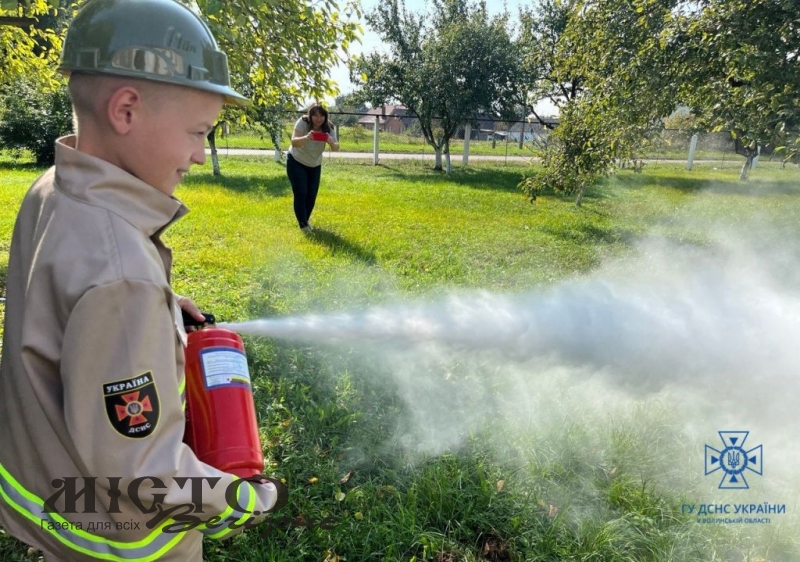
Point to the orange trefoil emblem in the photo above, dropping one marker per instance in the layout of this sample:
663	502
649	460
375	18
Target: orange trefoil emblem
134	408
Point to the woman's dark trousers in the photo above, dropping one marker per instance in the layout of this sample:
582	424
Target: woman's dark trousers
305	186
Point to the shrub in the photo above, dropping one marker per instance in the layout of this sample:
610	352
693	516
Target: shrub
32	119
588	144
578	153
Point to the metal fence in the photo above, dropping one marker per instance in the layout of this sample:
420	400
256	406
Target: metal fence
510	141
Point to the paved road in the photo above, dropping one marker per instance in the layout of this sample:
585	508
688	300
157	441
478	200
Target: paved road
455	159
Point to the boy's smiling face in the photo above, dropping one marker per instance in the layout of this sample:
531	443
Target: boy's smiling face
152	130
172	136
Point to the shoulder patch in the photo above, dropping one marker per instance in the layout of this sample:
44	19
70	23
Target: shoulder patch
132	405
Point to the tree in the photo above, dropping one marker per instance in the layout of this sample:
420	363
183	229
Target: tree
547	48
282	50
543	44
579	152
631	78
279	53
34	104
348	100
33	118
614	56
734	62
741	70
445	68
30	41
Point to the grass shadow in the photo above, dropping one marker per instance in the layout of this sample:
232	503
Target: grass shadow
592	193
3	277
596	192
494	179
11	165
337	244
593	234
753	188
272	186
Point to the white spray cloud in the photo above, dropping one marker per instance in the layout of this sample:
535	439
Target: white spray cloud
679	315
711	331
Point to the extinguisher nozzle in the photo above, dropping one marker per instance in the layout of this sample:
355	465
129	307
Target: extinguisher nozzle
190	321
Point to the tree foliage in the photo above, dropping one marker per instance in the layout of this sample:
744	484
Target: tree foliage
34	105
280	53
33	118
607	64
30	41
741	70
445	68
543	45
589	143
736	63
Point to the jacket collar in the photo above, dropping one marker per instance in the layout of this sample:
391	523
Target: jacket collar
97	182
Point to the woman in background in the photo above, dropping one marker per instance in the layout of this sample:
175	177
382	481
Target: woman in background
304	161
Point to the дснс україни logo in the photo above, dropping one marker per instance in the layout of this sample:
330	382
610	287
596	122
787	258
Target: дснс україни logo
734	460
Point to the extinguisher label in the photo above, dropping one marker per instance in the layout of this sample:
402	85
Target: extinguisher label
225	366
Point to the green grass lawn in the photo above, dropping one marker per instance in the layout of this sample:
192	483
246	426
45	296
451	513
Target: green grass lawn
588	487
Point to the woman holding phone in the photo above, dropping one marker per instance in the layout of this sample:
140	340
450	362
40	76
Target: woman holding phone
304	161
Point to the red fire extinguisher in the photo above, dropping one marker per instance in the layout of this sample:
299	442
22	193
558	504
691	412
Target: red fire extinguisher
221	425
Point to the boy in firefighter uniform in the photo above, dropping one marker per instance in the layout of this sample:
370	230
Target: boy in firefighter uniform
92	382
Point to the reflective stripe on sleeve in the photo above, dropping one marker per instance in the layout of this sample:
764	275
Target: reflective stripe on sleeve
182	392
246	495
31	507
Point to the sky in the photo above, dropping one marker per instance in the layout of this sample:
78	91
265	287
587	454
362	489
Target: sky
371	41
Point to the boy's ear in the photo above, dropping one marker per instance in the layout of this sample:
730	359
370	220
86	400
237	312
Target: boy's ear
124	109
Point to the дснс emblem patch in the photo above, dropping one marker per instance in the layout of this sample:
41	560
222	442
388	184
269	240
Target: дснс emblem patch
132	405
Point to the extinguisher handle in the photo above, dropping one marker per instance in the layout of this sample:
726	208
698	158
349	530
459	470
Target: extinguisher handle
190	322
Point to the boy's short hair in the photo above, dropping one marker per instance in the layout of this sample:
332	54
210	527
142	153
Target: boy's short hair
155	40
90	92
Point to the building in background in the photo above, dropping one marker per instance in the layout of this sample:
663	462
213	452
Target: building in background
391	119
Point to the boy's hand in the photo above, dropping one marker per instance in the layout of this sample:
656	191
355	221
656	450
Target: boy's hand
188	305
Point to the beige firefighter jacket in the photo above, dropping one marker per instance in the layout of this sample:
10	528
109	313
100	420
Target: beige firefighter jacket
92	383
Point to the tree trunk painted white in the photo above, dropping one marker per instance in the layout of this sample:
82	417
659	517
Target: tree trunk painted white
749	152
375	142
212	143
746	167
579	200
215	162
692	150
755	160
467	135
